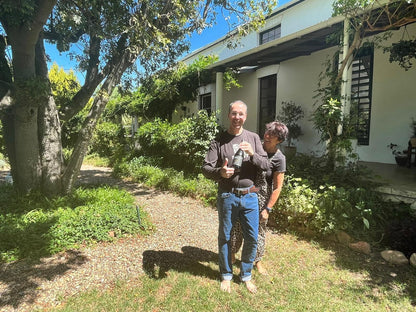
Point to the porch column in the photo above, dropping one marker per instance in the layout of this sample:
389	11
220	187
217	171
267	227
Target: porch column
347	73
219	88
346	81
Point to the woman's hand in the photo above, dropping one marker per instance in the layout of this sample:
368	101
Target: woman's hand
264	215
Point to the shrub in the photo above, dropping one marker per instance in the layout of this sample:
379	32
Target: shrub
182	146
400	228
325	201
170	179
109	141
34	226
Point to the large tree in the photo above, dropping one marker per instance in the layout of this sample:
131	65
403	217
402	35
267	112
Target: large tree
116	35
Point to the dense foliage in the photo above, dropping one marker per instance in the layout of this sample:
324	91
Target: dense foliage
33	226
113	38
151	171
159	95
110	141
182	146
64	86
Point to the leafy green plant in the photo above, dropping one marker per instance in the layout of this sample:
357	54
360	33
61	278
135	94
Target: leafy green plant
335	129
402	52
109	141
33	226
148	173
327	208
290	114
181	146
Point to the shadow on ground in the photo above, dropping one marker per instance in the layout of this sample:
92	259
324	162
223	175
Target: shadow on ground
157	264
21	286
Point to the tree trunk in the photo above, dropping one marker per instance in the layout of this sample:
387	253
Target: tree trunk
24	119
29	119
49	132
100	101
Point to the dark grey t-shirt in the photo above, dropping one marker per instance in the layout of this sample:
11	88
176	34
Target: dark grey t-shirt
224	147
277	164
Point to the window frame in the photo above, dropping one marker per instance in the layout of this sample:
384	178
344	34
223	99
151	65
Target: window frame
202	101
267	101
362	92
271	34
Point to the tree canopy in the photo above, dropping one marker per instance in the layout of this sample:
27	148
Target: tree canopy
114	36
369	17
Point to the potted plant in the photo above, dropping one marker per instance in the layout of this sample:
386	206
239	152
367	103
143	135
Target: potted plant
399	155
413	129
290	114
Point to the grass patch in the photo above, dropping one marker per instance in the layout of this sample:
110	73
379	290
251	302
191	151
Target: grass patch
304	275
95	160
34	226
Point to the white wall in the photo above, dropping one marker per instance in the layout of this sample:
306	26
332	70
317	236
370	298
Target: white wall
393	105
393	99
303	15
297	82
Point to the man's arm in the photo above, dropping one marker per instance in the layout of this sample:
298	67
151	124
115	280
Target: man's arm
209	167
259	157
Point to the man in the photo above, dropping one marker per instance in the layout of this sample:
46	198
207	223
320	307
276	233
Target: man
237	198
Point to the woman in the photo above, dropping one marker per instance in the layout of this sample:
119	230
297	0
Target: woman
270	184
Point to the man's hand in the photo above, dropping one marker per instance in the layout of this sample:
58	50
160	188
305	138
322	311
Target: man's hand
225	171
246	147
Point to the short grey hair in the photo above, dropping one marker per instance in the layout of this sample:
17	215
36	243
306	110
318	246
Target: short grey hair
237	102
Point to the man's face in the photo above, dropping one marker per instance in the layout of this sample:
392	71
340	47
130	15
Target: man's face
237	116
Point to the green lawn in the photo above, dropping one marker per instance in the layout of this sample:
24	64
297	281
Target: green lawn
304	275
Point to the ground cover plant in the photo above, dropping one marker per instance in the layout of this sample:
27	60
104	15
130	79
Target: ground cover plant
152	172
34	226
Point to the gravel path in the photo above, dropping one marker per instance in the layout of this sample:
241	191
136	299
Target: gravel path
185	230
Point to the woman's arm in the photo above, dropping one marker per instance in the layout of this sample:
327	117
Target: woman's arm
278	179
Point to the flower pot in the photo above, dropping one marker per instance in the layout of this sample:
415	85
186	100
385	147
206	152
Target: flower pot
413	141
401	160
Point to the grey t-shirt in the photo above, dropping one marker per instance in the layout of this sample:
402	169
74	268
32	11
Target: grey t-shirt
224	147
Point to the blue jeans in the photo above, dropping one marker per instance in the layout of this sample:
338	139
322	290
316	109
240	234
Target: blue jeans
230	208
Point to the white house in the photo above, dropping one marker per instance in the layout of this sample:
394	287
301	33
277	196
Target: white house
283	61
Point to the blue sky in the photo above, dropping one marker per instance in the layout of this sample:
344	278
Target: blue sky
197	41
211	34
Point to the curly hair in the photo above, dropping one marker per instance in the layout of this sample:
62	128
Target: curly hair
277	129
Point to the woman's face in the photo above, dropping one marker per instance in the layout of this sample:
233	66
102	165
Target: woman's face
270	143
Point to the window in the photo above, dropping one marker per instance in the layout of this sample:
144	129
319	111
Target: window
267	105
205	102
270	34
361	92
